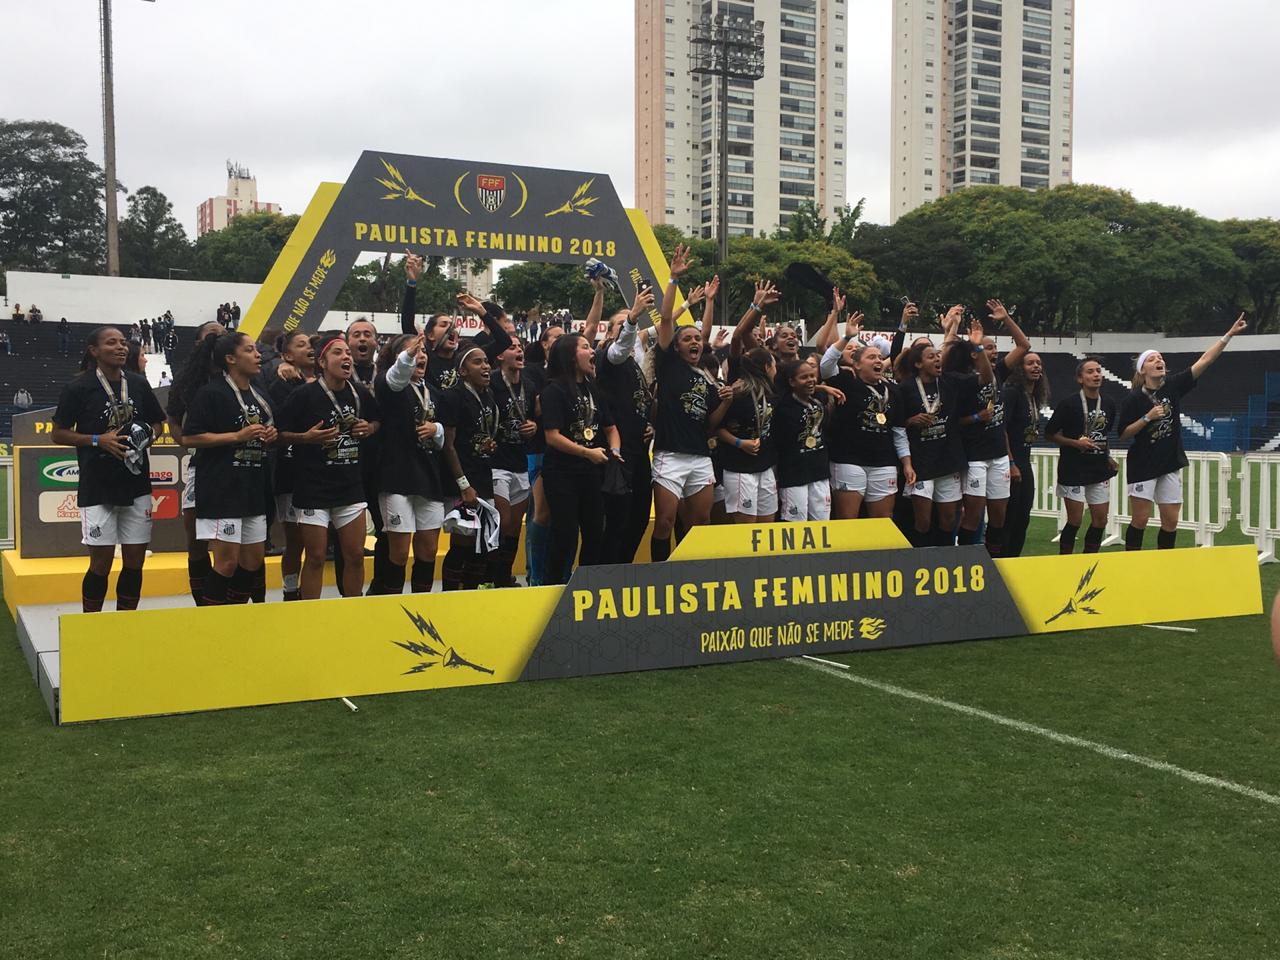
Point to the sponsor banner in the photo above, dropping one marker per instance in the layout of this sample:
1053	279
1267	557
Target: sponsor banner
621	618
59	507
442	207
164	469
57	472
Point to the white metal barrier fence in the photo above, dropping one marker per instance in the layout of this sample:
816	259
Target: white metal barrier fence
1206	494
11	518
1260	502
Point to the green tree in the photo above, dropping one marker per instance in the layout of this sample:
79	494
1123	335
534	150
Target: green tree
1257	244
244	250
51	206
551	286
151	240
378	286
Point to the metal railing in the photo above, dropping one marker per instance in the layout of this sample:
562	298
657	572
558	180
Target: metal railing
1260	520
7	541
1206	494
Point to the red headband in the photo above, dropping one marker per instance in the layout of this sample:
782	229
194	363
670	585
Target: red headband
327	344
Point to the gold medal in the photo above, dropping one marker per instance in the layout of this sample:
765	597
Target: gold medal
589	433
881	419
711	443
810	442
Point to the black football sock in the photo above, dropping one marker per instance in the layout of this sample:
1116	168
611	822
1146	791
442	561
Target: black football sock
943	538
474	570
995	540
258	591
215	589
1067	539
339	564
197	569
1167	539
1093	539
659	550
1133	537
424	572
392	578
452	569
93	590
967	538
128	588
240	586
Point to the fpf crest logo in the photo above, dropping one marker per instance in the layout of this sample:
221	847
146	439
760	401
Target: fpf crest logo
491	192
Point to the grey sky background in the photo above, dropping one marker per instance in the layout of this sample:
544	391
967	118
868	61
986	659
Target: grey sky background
1175	99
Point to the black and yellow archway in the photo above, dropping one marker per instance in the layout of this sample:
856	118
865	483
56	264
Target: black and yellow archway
451	208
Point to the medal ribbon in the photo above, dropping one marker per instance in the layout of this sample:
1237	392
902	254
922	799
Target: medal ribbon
257	398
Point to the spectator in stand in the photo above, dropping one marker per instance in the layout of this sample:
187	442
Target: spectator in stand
166	379
169	345
235	315
135	333
146	334
5	347
22	399
17	313
34	315
64	336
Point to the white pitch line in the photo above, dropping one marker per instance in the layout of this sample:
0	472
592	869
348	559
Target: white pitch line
844	673
1165	626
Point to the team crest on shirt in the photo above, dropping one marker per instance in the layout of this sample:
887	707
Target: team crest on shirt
694	403
448	379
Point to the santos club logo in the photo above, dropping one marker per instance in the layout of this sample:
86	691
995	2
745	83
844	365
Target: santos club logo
434	652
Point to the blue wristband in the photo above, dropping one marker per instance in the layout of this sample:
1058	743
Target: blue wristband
93	440
737	442
411	283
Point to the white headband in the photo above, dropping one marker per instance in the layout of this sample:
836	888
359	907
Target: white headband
467	354
1143	358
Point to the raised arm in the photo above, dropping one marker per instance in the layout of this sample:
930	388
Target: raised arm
412	273
666	320
1213	353
401	372
491	317
709	311
766	294
950	323
625	345
909	312
592	325
1021	345
827	332
829	365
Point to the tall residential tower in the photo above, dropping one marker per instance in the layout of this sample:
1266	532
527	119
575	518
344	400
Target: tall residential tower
982	93
787	132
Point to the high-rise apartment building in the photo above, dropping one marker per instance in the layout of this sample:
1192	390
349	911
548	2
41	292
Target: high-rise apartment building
241	197
982	94
787	131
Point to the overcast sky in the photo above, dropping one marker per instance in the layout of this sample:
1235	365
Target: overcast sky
1176	100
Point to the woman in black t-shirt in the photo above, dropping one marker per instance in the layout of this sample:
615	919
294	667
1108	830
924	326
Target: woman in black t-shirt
689	410
230	425
930	410
193	375
296	350
411	488
470	415
800	436
110	416
1079	426
1025	394
325	422
1151	416
581	437
516	398
746	443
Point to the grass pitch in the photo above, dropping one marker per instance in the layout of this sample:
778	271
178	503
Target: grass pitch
747	811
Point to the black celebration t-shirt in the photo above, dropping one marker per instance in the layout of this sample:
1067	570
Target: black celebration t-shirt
442	372
328	474
1157	449
575	413
1082	467
475	422
799	435
862	427
408	465
936	450
985	441
630	400
749	417
85	408
281	391
515	406
235	479
1021	421
686	398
